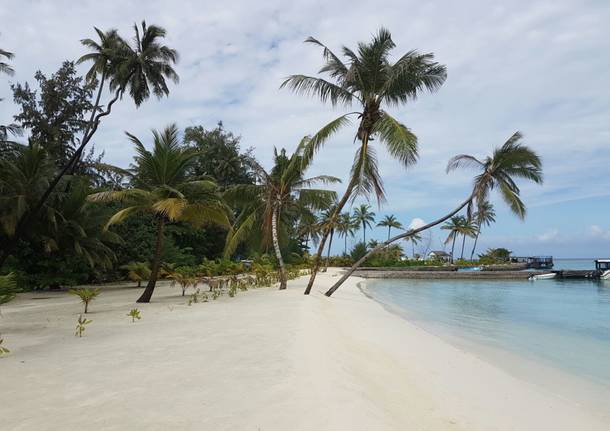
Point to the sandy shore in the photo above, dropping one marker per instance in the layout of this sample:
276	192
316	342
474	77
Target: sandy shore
264	360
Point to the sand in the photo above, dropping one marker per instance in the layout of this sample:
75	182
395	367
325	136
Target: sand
264	360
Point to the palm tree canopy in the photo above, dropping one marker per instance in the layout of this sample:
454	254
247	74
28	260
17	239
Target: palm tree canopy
5	67
390	221
163	187
140	67
366	77
511	161
363	216
485	214
285	189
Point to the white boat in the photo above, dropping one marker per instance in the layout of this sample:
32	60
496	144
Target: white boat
604	266
546	276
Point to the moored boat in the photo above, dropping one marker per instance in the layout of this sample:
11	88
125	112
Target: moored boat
546	276
603	266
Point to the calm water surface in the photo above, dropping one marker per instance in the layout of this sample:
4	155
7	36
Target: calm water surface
564	324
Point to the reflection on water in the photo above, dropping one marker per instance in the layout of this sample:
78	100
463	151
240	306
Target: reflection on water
565	323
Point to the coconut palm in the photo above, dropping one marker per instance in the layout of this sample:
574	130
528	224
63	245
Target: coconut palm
328	222
484	216
137	271
364	217
5	67
368	79
466	229
414	240
283	190
453	226
511	162
390	222
134	68
346	227
162	187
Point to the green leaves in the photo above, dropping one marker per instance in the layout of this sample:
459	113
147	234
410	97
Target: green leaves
86	295
134	313
8	288
400	142
81	325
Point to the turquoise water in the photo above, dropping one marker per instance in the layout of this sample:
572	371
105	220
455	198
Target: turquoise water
564	324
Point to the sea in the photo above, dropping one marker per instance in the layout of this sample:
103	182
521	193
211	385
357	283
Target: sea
555	333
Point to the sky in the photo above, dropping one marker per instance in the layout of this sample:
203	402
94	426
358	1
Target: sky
541	67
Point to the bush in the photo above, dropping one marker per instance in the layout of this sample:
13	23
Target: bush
86	294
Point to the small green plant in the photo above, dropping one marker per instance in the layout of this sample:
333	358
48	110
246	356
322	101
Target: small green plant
80	325
86	295
8	288
137	271
3	350
134	314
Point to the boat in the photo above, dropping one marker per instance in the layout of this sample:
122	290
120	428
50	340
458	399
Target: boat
603	266
546	276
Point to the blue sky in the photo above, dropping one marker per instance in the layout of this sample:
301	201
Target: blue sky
539	67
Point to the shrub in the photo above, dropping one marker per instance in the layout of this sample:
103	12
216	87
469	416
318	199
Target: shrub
134	314
137	271
86	295
80	325
8	288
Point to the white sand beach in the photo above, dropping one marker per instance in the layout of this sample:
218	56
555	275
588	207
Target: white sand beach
264	360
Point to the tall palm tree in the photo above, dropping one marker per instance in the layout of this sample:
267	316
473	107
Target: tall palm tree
466	229
5	67
453	226
369	79
162	187
328	222
390	221
500	171
484	216
365	218
284	189
346	227
414	240
134	68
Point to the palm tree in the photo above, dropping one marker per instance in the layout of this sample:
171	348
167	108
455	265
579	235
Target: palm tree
5	67
510	162
364	217
467	229
162	187
453	226
346	227
414	240
484	216
327	222
284	189
390	222
136	68
369	79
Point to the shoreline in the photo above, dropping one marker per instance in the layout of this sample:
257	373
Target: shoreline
265	359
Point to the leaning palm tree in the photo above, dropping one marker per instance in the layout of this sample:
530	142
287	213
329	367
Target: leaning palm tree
369	79
331	223
285	189
133	68
365	218
511	162
162	187
390	221
453	226
484	216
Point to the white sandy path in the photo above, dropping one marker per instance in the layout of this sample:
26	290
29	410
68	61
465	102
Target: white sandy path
264	360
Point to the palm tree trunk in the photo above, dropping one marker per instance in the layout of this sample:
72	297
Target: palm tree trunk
24	223
452	247
412	249
348	192
345	247
278	253
152	281
364	233
330	244
389	230
474	246
463	243
381	246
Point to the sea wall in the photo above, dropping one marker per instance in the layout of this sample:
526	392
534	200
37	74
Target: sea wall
445	275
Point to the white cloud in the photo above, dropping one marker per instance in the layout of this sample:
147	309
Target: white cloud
416	223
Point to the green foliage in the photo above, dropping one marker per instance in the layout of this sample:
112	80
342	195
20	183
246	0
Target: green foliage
3	350
8	288
137	271
86	294
81	325
358	251
495	255
134	313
